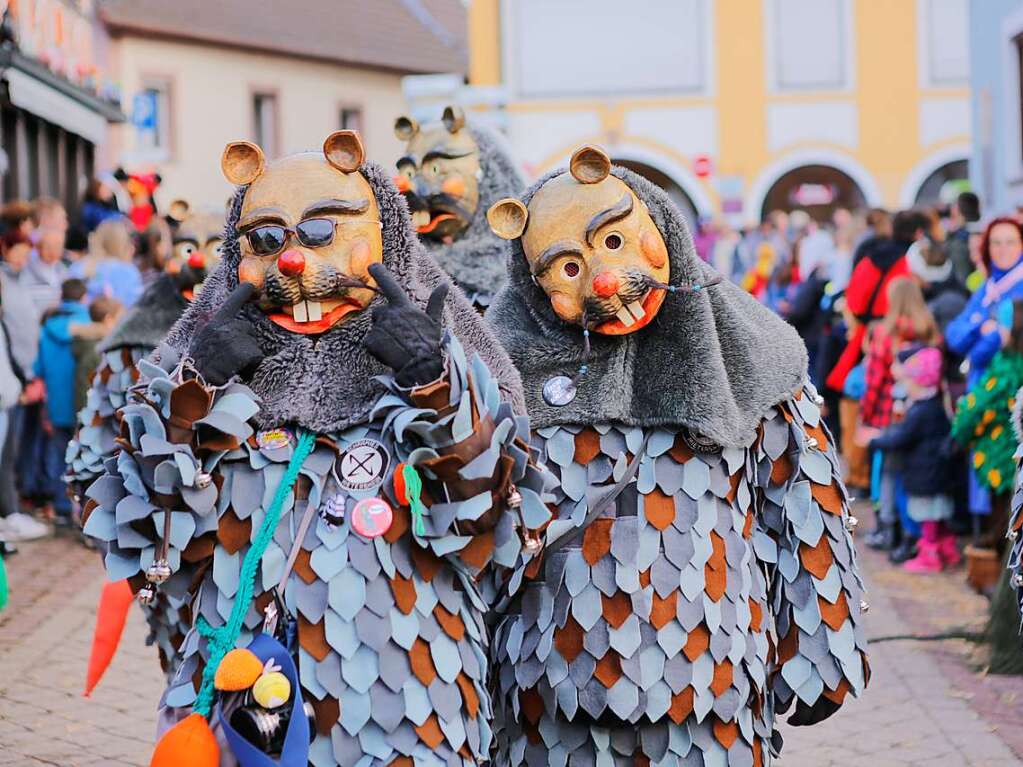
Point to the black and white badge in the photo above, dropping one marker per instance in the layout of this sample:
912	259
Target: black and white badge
363	465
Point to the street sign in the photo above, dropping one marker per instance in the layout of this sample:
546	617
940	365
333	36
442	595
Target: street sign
143	110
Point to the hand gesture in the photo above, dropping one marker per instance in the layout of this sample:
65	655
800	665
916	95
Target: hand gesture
227	346
404	337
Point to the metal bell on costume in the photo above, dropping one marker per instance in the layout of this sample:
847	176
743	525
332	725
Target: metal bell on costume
864	606
332	510
1013	535
203	479
514	499
851	522
147	594
1016	581
158	572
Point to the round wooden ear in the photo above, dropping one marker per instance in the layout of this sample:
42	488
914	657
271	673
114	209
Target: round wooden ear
507	218
343	149
590	165
453	119
178	210
242	162
405	127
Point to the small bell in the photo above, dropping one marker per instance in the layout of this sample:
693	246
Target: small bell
864	607
851	522
514	499
812	443
147	594
531	543
1016	580
818	400
158	572
332	510
203	479
1013	535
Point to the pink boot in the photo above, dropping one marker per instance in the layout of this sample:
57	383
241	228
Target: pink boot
927	559
948	551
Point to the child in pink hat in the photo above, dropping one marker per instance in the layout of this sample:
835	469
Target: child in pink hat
920	439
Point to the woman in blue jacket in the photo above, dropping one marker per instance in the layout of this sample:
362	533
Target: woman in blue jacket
977	335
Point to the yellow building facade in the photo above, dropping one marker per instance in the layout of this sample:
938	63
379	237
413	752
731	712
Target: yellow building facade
735	106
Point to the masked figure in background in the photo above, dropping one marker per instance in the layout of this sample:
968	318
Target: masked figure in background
698	577
452	172
322	458
196	254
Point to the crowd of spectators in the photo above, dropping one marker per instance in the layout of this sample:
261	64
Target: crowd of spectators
913	323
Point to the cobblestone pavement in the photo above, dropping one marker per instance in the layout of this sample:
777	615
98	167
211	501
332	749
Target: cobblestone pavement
925	703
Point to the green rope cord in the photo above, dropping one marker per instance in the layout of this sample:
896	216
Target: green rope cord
414	491
222	640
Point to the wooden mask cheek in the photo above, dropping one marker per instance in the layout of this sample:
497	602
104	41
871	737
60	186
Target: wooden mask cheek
654	250
253	271
567	307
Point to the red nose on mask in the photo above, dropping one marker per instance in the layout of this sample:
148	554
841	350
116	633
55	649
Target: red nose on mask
291	263
196	259
605	284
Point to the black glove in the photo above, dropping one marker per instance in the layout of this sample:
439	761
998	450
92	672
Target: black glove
227	346
806	715
404	337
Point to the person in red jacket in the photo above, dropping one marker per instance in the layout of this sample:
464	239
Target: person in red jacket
866	297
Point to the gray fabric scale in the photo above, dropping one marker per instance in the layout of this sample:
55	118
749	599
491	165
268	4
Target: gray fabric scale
652	662
476	261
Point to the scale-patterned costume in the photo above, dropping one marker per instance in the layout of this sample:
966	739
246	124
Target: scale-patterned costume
134	337
390	642
1015	532
721	586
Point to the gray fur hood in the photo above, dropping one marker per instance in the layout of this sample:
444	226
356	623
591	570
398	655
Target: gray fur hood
476	260
714	361
146	323
326	383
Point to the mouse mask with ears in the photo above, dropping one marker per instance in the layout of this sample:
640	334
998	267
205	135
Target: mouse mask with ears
311	322
597	248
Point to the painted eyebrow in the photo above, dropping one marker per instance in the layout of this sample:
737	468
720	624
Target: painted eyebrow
446	154
618	211
186	238
555	251
337	206
406	160
262	215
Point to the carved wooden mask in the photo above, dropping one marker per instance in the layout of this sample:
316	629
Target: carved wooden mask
333	231
439	174
197	240
591	246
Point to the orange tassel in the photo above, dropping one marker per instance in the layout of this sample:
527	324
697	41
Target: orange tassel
189	743
111	613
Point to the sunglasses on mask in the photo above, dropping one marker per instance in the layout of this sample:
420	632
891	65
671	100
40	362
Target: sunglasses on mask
270	239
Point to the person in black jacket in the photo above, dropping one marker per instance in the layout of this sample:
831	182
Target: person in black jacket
920	438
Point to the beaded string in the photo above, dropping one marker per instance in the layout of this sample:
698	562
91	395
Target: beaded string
222	640
413	492
695	287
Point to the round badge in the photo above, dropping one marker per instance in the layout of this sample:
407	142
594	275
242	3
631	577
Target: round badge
271	439
558	391
363	465
372	517
700	444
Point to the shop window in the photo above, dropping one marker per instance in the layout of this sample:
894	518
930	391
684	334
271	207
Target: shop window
264	121
809	45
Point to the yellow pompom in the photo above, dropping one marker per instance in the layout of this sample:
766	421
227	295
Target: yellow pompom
1012	402
978	460
971	400
994	477
239	670
989	416
272	690
997	432
991	382
978	430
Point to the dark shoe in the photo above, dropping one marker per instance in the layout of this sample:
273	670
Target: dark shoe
904	552
884	537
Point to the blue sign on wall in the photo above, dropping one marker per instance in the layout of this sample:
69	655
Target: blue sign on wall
143	111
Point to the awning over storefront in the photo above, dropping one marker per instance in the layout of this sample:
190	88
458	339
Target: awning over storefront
35	89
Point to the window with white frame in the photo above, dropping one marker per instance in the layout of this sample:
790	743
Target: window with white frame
943	30
809	44
264	122
151	115
583	47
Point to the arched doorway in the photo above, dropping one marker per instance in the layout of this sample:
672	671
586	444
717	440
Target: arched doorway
672	189
817	189
944	184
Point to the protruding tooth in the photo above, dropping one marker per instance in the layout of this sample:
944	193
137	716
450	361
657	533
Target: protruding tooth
299	312
314	311
625	317
637	310
421	218
196	288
